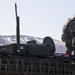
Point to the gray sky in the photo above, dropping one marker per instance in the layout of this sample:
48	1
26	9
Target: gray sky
38	18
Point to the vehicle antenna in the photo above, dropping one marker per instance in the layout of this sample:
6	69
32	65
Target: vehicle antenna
17	29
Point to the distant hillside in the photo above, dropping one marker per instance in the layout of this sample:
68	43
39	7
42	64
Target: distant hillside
60	47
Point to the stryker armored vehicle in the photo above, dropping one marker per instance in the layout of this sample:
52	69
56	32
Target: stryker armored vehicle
34	59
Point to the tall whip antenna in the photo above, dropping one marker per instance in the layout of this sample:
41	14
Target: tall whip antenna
17	29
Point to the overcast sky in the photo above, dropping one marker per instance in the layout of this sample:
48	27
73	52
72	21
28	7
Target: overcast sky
38	18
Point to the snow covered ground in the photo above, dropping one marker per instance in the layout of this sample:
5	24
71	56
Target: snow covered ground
60	46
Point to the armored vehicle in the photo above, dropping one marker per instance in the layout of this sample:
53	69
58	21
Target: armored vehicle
34	59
